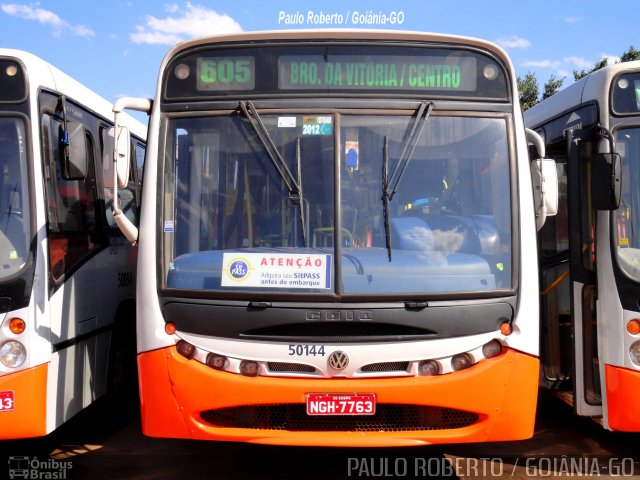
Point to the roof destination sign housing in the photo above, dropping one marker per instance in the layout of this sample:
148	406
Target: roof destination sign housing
320	67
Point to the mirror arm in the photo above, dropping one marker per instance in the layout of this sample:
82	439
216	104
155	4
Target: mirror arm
601	131
536	140
129	230
139	104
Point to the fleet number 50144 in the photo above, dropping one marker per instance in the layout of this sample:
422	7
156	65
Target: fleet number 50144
306	350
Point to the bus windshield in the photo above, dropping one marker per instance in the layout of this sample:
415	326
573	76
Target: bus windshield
233	221
14	197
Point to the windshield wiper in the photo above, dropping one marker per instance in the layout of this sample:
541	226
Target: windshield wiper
293	185
385	195
390	183
300	201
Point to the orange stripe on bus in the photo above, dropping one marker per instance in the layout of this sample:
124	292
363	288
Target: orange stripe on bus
502	391
28	418
623	386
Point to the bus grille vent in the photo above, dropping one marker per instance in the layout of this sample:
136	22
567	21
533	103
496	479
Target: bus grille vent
293	417
282	367
386	367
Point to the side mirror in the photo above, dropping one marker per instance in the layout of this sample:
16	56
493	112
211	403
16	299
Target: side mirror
606	173
74	152
544	178
123	159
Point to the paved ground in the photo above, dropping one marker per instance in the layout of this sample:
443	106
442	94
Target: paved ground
98	445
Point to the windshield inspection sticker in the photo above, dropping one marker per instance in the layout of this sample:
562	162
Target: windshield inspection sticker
320	125
287	122
272	270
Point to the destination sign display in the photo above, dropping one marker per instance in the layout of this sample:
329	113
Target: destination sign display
321	68
302	72
226	73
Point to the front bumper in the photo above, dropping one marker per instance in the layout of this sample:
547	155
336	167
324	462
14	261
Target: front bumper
493	400
623	386
27	416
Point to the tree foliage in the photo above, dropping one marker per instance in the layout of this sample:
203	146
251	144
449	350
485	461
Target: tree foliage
529	90
630	55
552	86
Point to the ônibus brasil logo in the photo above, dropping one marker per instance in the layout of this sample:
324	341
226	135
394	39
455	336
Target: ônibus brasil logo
239	269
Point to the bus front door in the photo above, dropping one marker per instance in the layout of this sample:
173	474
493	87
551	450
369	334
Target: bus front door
583	281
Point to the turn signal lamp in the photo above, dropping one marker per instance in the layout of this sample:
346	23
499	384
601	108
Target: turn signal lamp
17	325
249	368
170	328
506	328
461	361
215	361
185	349
633	327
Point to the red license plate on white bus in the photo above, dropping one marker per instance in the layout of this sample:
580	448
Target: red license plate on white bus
6	401
341	403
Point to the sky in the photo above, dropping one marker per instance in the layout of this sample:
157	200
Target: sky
116	47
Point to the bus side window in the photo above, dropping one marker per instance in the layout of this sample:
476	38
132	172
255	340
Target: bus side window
139	161
554	235
74	229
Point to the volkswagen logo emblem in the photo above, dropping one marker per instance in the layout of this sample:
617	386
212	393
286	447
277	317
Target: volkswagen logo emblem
338	360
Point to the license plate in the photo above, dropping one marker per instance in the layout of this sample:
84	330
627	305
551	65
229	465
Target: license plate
341	403
6	401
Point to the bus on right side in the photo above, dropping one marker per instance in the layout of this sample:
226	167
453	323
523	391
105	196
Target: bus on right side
590	252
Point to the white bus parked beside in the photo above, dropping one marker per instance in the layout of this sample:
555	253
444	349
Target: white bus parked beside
67	274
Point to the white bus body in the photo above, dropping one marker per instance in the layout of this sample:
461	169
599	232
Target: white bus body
589	252
67	275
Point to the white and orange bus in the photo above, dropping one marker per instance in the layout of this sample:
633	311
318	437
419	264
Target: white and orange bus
589	253
67	274
335	244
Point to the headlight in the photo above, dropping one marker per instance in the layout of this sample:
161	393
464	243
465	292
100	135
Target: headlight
634	353
12	354
217	362
185	349
249	368
461	361
427	368
492	349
